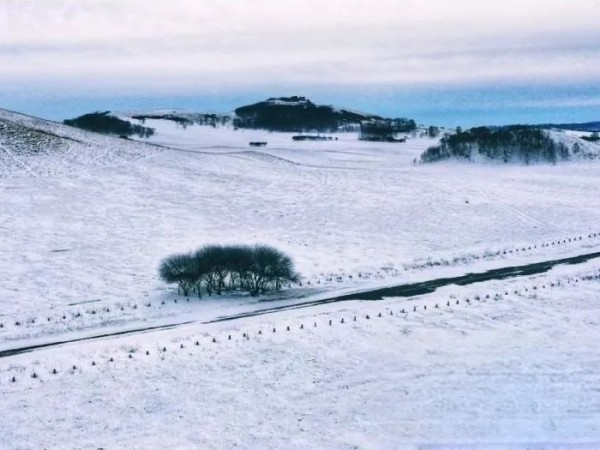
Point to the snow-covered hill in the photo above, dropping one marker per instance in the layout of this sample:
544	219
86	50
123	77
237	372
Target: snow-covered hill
34	147
340	208
80	244
514	144
579	149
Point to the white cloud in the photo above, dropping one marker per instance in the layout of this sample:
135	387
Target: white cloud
175	44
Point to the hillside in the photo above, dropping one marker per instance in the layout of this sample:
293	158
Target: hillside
284	114
296	114
511	144
80	248
339	208
33	146
300	114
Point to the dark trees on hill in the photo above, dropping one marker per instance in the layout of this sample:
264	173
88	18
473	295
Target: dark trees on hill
287	118
511	143
300	114
216	269
433	132
403	125
594	137
102	122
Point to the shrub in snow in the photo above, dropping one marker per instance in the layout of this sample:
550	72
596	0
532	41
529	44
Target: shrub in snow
215	269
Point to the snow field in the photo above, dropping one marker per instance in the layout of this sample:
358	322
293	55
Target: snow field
517	362
518	369
74	320
446	298
102	236
352	215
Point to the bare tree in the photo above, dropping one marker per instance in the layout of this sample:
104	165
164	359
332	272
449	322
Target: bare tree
178	269
216	268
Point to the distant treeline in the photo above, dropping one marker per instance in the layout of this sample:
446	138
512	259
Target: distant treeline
586	127
215	269
102	122
386	129
517	143
185	120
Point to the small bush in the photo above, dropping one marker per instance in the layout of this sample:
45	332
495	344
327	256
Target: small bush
216	269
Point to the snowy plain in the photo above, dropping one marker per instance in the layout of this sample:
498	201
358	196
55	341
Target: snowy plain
519	371
80	244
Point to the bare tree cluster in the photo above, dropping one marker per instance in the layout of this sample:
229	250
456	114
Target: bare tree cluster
215	269
509	143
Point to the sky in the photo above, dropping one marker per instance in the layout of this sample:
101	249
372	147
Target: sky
450	62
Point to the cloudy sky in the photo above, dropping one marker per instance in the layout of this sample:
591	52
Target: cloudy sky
433	58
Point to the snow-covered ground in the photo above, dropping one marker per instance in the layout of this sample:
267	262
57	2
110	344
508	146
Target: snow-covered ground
339	208
517	368
32	147
80	245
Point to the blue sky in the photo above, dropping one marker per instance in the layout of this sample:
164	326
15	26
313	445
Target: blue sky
449	62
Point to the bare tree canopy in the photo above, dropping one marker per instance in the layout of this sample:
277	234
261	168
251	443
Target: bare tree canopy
216	269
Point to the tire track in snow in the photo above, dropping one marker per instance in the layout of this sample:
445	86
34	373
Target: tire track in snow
31	348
